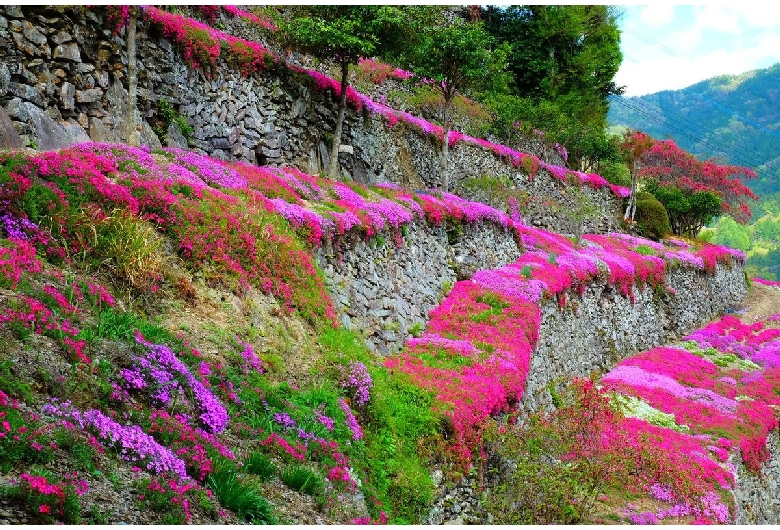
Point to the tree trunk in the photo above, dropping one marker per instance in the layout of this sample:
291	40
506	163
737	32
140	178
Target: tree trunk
133	137
631	208
333	165
446	146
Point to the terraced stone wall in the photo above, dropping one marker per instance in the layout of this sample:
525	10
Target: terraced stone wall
595	331
758	496
63	80
382	290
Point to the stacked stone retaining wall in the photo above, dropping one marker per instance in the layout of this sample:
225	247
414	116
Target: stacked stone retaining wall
383	290
63	79
600	328
758	495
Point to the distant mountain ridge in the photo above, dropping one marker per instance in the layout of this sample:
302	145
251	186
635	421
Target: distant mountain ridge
734	118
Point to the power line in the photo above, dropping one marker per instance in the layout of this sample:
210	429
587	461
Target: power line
732	112
687	134
670	115
672	53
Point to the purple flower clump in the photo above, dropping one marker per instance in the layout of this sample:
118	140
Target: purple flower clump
250	357
161	364
284	419
327	421
351	421
133	444
644	518
357	379
16	228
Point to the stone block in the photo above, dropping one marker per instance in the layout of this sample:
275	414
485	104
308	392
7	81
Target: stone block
14	11
148	137
62	37
32	34
220	143
99	132
75	131
9	137
5	79
67	96
27	93
91	95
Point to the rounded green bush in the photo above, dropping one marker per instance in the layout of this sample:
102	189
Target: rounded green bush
652	219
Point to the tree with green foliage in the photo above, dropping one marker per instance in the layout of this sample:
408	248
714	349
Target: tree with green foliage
688	211
559	50
732	234
344	34
454	57
767	228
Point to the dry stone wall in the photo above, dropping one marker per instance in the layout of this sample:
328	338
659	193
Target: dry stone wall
383	291
595	331
758	495
63	80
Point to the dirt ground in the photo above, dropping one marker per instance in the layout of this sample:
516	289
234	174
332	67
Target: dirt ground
762	302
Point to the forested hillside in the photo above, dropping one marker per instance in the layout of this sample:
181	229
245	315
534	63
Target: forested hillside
733	118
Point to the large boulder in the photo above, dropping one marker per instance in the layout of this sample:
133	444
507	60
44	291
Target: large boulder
46	133
9	138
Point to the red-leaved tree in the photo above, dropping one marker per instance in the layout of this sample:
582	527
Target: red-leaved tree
634	145
666	164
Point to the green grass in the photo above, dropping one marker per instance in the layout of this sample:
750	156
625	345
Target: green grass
240	496
398	416
114	324
303	479
259	464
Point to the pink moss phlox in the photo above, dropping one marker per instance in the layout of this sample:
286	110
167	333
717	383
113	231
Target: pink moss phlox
239	13
210	170
766	282
16	259
495	374
640	380
276	441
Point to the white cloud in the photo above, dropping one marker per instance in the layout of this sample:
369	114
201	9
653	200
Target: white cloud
718	18
657	14
697	44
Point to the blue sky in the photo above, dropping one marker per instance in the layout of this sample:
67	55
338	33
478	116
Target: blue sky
667	47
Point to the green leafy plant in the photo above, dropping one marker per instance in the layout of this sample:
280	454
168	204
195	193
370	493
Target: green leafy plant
169	116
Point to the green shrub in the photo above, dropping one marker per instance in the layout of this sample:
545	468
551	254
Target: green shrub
652	220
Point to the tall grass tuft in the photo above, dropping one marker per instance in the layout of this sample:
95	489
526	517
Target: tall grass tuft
241	497
259	464
303	479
